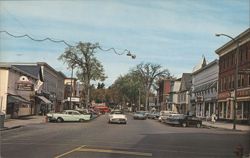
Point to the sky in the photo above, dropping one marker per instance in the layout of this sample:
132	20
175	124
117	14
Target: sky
172	33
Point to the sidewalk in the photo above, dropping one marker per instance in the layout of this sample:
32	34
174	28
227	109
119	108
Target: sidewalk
15	123
225	125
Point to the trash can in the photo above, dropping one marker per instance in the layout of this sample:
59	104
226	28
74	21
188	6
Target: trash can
2	117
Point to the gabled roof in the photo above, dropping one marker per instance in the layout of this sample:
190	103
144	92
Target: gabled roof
202	64
186	82
31	69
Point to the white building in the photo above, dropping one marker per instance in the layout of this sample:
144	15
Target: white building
204	88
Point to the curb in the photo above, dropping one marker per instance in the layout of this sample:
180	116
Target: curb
237	130
9	128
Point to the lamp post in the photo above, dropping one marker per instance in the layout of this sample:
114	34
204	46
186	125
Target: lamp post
235	77
71	85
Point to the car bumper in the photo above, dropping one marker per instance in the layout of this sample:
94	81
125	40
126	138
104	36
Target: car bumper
117	120
140	118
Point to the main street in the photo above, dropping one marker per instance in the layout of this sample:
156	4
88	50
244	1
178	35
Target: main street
139	138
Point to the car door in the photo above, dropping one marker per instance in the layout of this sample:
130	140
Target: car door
76	116
191	120
67	116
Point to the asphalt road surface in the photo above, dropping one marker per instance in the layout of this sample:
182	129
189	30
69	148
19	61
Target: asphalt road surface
138	138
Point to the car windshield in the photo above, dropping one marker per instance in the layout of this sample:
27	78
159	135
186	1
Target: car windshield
141	112
116	112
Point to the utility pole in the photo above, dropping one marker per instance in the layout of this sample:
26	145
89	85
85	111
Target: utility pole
139	99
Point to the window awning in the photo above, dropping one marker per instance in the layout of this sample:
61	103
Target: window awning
45	100
17	99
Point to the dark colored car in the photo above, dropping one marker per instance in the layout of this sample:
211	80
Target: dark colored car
154	115
184	120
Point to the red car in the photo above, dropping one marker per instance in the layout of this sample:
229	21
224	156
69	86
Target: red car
102	109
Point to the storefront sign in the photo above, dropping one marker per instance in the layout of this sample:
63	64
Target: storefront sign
199	99
23	84
224	95
74	99
243	93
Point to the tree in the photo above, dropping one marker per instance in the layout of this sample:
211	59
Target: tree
88	67
148	74
126	89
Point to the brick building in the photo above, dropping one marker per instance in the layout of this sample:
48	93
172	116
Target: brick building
227	67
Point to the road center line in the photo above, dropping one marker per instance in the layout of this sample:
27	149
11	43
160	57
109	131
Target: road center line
115	152
71	151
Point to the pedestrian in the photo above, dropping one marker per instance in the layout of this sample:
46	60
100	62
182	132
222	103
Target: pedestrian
213	118
207	115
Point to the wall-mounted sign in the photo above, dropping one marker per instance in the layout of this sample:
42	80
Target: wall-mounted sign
199	99
74	99
24	84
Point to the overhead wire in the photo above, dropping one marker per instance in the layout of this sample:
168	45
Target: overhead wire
63	41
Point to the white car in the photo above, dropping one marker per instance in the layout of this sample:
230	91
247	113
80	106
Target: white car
117	117
68	115
164	114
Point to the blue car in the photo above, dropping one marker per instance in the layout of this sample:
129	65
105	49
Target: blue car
140	115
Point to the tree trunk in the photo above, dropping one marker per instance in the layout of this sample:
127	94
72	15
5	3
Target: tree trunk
146	101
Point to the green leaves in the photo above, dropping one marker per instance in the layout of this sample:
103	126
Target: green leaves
82	57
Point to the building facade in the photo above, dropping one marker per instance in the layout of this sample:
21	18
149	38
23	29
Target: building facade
40	84
204	89
164	93
174	90
16	91
227	68
184	93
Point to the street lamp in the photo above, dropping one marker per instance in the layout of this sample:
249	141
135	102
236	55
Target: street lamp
235	77
71	85
132	55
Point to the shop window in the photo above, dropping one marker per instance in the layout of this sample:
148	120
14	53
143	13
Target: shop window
246	108
248	80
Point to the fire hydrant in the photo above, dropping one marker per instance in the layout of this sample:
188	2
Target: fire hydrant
239	151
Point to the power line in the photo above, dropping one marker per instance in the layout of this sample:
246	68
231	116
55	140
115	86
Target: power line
69	45
37	40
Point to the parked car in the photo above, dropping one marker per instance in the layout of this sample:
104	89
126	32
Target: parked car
68	115
154	115
140	115
164	114
117	117
184	120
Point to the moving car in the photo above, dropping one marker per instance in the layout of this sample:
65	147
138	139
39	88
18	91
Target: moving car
117	117
140	115
68	115
184	120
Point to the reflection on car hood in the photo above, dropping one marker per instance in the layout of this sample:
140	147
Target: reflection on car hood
117	116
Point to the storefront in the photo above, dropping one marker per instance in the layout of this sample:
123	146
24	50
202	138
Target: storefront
17	106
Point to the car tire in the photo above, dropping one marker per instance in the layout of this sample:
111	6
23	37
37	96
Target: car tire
184	124
81	120
198	125
59	120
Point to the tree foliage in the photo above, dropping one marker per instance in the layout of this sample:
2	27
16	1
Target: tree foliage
82	57
148	73
126	89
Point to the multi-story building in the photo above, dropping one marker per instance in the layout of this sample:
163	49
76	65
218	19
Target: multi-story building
70	93
184	93
47	92
227	68
204	88
164	93
174	90
16	89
